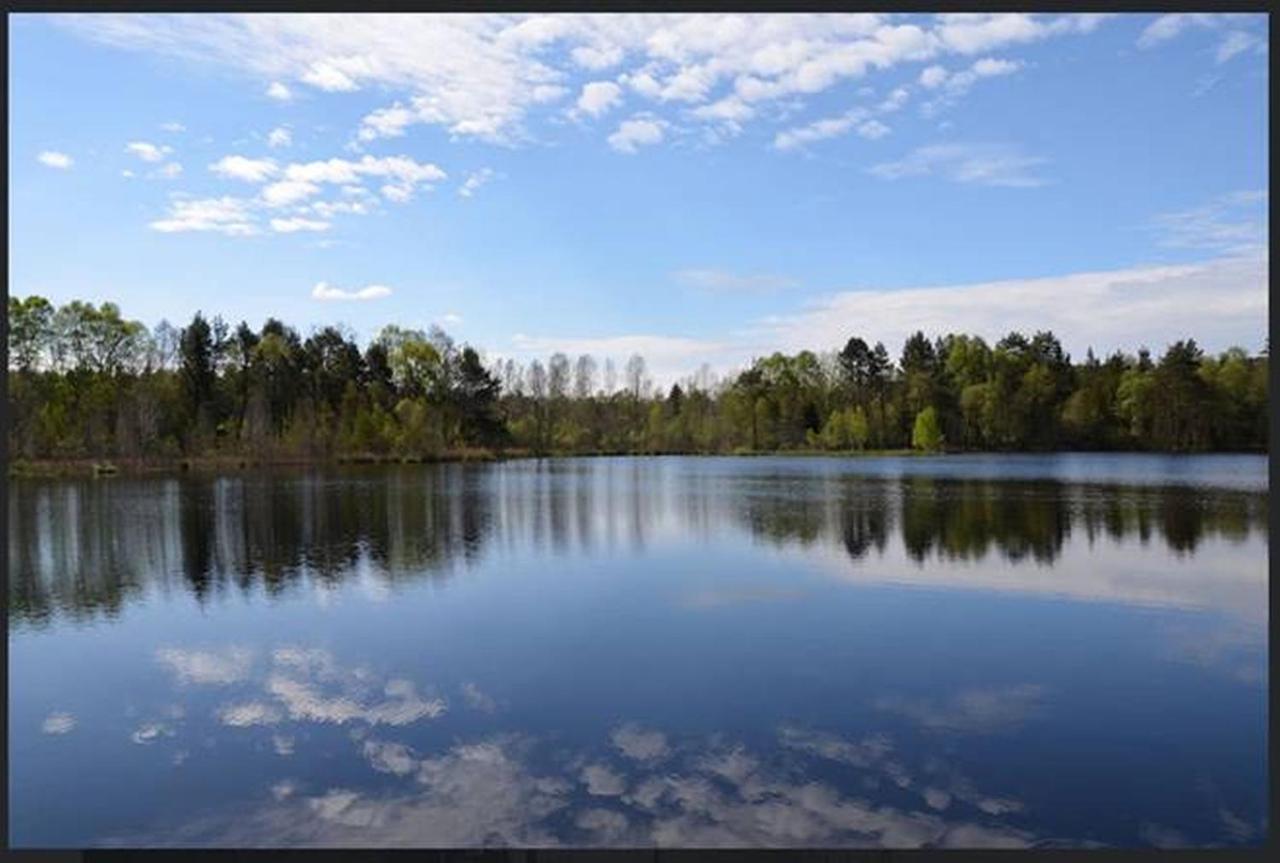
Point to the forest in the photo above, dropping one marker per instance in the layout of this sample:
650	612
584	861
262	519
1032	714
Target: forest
84	382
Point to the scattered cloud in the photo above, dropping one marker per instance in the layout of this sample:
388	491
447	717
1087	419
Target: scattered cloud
386	757
58	723
855	120
1232	224
1236	42
207	667
167	171
150	732
148	152
639	131
280	136
598	97
225	215
173	126
977	164
474	181
242	168
249	713
324	291
55	159
1233	42
287	192
477	699
640	744
295	224
949	87
601	781
484	76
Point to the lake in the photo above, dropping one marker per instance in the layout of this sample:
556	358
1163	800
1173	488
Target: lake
962	651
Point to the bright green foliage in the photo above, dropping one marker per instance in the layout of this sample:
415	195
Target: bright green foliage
926	434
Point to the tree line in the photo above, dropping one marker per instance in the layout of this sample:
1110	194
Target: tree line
85	382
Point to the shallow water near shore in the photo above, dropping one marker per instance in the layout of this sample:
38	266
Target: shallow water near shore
964	651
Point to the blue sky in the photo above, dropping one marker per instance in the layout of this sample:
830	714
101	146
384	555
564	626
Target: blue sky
697	188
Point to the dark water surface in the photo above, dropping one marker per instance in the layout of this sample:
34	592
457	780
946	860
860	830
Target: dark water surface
964	651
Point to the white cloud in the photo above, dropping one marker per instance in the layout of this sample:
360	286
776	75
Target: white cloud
280	136
248	714
303	701
1236	42
872	129
598	97
820	130
640	744
987	67
149	732
635	133
397	192
207	667
951	86
477	699
279	92
402	169
173	126
168	171
327	76
451	318
295	224
933	76
58	723
386	757
474	181
1234	224
482	76
596	58
1221	302
386	123
225	215
55	159
243	168
978	164
1166	27
324	291
148	152
602	781
287	192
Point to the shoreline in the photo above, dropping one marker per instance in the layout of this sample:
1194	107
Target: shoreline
99	467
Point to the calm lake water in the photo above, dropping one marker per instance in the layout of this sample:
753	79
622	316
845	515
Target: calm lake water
956	651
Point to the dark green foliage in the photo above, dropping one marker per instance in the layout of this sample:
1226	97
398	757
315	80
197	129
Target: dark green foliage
86	383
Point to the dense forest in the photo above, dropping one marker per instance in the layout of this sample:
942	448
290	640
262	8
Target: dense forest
84	382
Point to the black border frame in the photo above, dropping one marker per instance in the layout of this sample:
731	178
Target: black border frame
1269	851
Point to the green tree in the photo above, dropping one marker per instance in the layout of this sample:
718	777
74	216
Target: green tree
927	433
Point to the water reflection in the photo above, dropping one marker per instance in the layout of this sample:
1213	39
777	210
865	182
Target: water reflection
638	786
84	549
